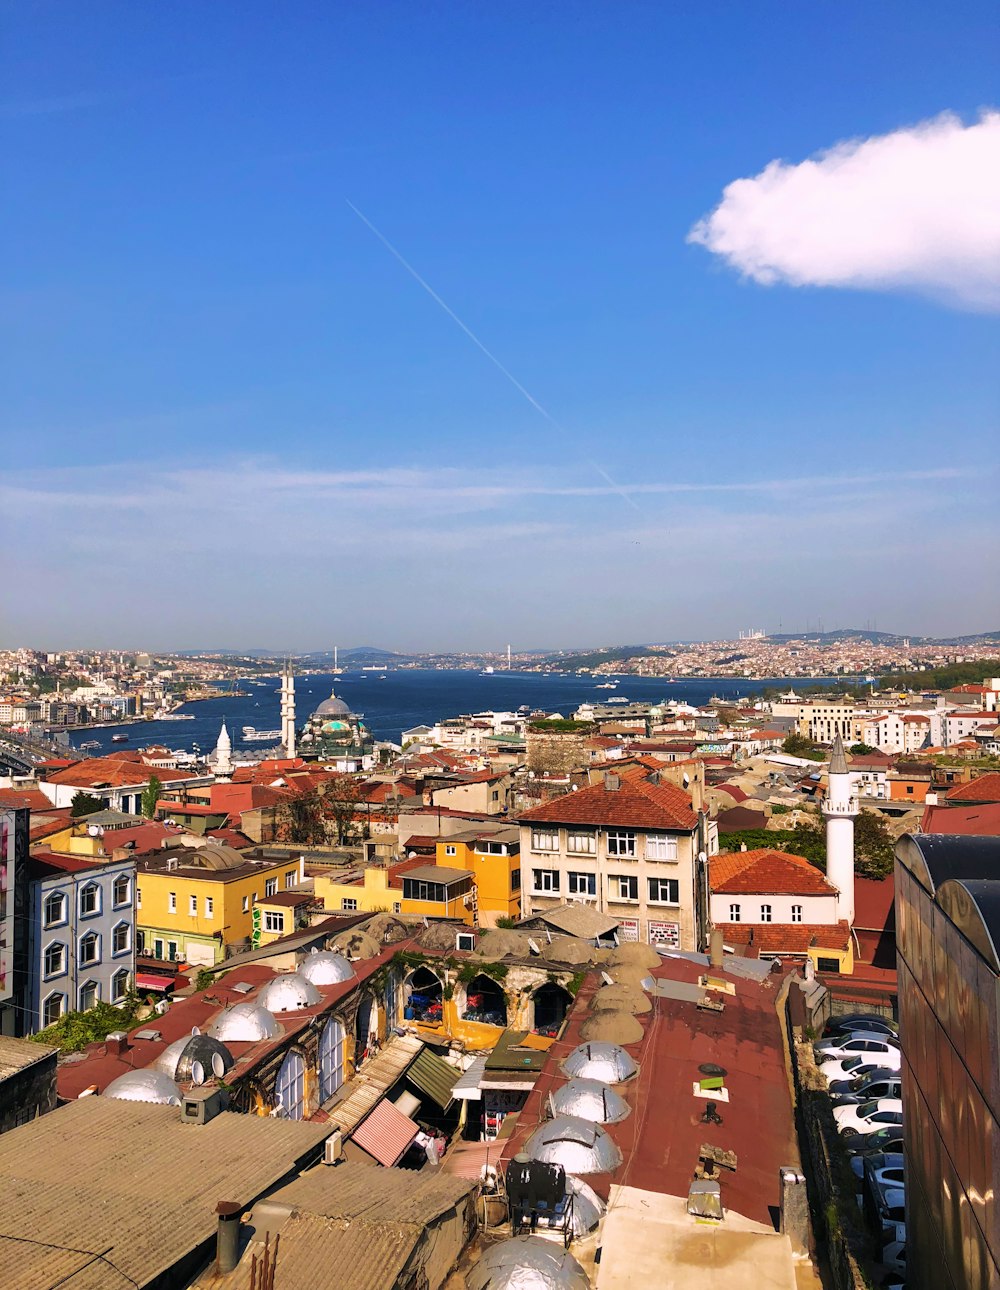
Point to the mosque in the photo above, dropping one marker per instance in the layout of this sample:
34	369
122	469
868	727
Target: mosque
335	733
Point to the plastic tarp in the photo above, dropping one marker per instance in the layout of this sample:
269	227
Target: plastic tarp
590	1099
527	1263
580	1146
609	1063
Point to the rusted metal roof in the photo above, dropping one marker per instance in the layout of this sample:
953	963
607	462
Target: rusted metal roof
386	1134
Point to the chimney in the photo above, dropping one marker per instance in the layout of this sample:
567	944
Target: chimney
227	1247
611	782
716	953
794	1211
116	1043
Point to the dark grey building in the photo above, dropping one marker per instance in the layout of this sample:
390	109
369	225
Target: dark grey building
948	942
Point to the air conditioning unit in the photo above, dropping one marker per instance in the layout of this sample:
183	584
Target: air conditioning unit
199	1107
465	941
333	1148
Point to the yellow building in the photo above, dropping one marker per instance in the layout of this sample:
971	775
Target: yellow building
494	859
369	892
436	891
280	915
193	902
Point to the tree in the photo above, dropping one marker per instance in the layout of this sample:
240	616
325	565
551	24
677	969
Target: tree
797	745
150	796
860	750
85	804
874	849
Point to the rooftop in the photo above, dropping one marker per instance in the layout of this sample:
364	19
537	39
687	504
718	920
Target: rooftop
622	802
17	1055
437	873
765	872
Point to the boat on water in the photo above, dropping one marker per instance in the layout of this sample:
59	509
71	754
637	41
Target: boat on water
487	671
607	685
91	743
119	739
371	667
254	736
173	716
619	698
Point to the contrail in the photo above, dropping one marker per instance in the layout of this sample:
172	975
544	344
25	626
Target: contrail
490	355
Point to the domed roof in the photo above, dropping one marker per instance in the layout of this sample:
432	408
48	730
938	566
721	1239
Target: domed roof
244	1024
590	1100
288	993
332	707
194	1058
608	1063
322	967
147	1085
527	1263
580	1146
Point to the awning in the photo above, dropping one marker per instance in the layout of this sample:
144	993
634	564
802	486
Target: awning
386	1134
150	981
469	1085
433	1076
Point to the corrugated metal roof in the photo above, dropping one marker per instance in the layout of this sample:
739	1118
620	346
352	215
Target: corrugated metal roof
319	1253
469	1084
362	1092
433	1076
386	1134
72	1178
357	1191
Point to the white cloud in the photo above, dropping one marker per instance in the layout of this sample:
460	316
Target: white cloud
917	209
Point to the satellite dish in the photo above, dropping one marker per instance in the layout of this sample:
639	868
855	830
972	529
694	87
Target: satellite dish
533	946
93	830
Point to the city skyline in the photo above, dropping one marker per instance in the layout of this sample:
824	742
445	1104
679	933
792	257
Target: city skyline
621	348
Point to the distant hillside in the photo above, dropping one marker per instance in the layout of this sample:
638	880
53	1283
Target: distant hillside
881	638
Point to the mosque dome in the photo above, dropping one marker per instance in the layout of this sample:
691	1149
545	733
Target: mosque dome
322	967
288	993
332	707
244	1024
195	1058
335	727
144	1086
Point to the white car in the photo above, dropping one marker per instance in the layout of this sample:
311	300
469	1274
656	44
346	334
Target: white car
893	1253
884	1168
863	1117
849	1067
846	1045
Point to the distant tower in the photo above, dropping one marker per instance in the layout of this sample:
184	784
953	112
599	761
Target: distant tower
840	810
288	711
222	758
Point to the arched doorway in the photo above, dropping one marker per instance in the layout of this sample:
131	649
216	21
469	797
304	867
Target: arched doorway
423	992
485	1001
290	1086
365	1029
331	1059
550	1004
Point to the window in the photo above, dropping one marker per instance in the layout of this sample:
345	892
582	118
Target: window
581	843
90	899
545	839
664	891
581	884
623	887
274	921
397	906
765	913
290	878
121	938
270	886
90	948
909	788
172	954
138	898
172	902
140	941
621	842
734	913
331	1059
89	995
660	846
119	985
546	880
55	959
122	893
827	965
53	1009
490	848
290	1086
55	909
193	906
349	903
158	948
796	913
451	851
246	904
515	879
209	906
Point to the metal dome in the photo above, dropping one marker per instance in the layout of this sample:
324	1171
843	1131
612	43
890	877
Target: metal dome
194	1058
590	1100
288	993
244	1024
580	1146
332	707
527	1263
323	967
609	1063
588	1208
144	1086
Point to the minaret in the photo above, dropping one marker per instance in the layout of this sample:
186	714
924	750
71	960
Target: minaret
288	711
840	809
222	758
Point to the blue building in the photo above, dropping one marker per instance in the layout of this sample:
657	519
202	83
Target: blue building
81	936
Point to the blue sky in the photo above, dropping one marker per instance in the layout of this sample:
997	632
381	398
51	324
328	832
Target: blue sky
232	416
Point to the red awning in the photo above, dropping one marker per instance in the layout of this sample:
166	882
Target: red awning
149	981
386	1134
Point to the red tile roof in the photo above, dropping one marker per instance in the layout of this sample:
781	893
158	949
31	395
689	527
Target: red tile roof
984	789
100	771
59	864
873	902
635	804
766	872
787	938
33	798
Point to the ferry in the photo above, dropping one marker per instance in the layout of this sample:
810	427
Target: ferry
607	685
619	698
254	736
119	739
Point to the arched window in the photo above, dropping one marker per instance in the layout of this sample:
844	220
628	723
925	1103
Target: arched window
90	948
391	1001
53	1009
485	1001
90	993
122	889
55	908
290	1086
364	1028
331	1059
55	959
551	1004
423	994
119	985
90	899
121	938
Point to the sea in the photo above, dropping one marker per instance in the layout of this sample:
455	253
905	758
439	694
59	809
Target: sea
393	701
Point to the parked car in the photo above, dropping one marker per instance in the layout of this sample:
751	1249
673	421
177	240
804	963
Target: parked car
884	1201
885	1166
860	1021
848	1044
893	1252
872	1084
888	1138
864	1117
857	1064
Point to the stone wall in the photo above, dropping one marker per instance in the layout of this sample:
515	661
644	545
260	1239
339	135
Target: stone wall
31	1091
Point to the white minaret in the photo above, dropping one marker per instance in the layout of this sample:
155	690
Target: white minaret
222	758
840	808
288	711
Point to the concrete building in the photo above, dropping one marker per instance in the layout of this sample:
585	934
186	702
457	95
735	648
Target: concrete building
27	1081
948	933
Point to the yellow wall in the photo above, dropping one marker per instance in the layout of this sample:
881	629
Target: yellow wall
845	957
454	908
374	895
494	894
